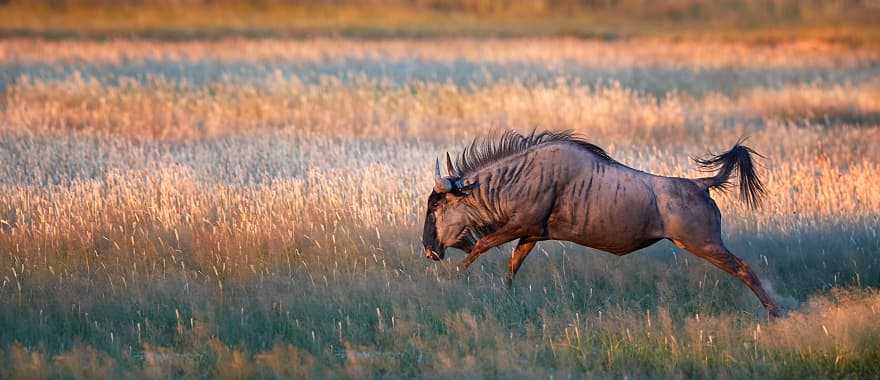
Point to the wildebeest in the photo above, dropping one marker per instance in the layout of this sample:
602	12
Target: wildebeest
558	186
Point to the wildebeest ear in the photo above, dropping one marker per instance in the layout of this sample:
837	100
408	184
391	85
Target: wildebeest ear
442	184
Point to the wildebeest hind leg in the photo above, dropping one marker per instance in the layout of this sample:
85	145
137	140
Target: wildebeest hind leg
516	259
718	255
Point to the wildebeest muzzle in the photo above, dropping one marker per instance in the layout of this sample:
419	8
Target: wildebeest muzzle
431	254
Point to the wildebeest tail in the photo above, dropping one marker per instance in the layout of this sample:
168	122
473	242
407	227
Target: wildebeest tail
738	159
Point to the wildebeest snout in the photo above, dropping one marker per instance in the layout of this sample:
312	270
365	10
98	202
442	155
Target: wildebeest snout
429	253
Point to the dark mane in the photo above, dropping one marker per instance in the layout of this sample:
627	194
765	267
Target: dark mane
483	152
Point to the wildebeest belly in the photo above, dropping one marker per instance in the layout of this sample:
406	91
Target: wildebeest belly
613	211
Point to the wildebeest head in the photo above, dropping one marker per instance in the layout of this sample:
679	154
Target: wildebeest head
447	221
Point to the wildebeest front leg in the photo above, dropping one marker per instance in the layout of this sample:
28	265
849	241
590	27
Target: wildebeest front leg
484	244
516	259
718	255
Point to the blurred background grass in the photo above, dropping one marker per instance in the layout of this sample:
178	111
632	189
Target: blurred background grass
853	21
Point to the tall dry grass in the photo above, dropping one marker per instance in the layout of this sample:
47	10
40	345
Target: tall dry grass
374	108
155	228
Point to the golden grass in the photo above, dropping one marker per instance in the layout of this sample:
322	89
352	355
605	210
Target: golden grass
153	228
646	51
373	108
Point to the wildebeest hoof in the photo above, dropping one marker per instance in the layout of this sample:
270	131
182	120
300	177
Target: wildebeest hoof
776	312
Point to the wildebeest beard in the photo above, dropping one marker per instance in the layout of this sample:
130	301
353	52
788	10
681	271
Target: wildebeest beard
470	235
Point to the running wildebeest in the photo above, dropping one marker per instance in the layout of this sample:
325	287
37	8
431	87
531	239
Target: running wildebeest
557	186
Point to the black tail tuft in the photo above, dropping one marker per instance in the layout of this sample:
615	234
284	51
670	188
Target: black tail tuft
739	158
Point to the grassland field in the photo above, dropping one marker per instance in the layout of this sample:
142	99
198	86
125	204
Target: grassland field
241	208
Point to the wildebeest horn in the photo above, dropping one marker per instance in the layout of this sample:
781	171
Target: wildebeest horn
437	169
449	168
441	184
